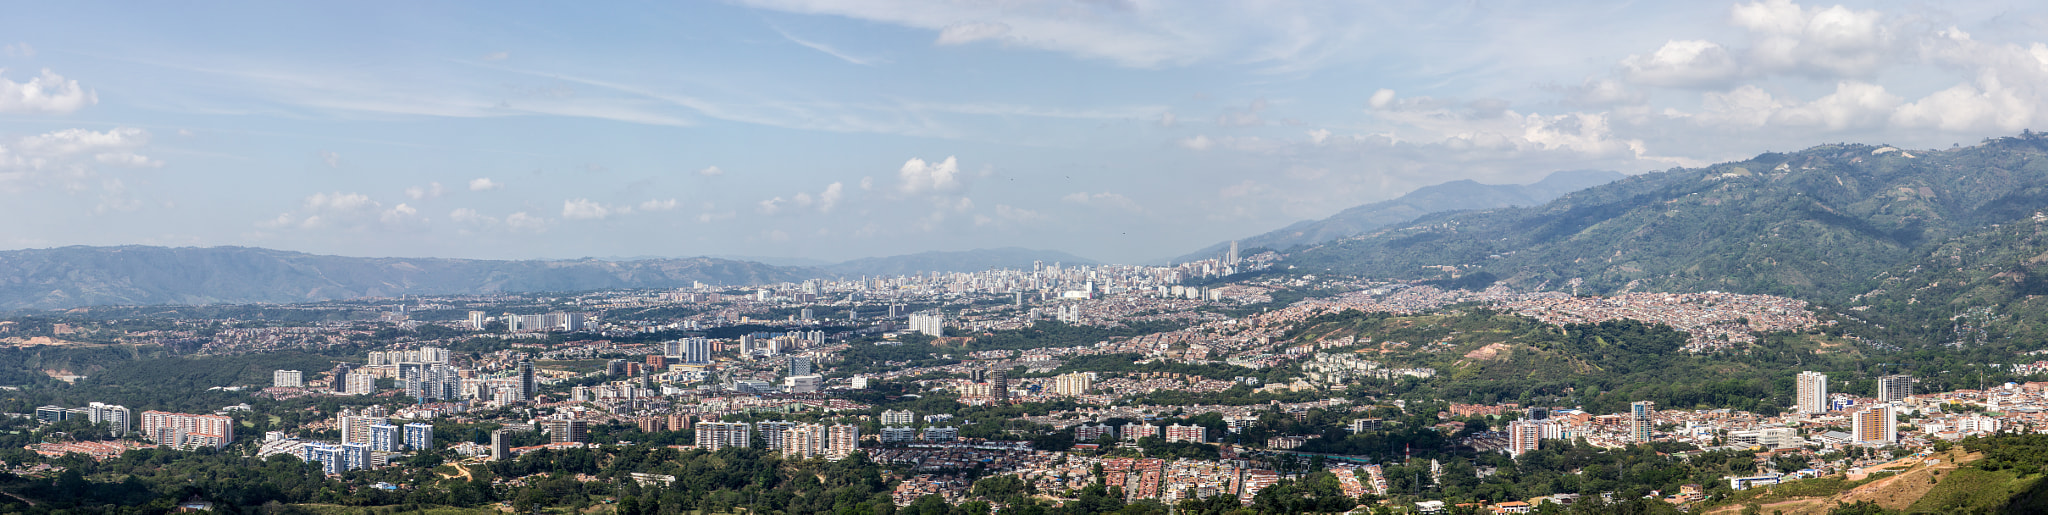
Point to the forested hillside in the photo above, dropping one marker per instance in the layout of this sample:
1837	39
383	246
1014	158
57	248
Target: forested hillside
1827	224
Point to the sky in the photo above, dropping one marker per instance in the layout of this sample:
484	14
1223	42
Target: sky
1118	130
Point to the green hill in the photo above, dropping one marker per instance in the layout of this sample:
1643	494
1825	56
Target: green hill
1826	224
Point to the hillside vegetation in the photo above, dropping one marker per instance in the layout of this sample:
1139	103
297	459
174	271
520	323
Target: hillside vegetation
1829	224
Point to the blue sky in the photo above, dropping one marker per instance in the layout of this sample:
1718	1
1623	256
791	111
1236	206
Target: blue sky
1117	130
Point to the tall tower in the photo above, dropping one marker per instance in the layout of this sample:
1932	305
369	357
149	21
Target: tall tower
1813	392
1231	258
527	388
1894	388
1639	420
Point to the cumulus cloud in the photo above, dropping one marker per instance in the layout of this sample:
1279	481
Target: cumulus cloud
48	93
711	171
484	183
431	190
521	221
830	197
470	216
332	159
1198	142
1830	41
1381	99
585	209
1683	64
918	176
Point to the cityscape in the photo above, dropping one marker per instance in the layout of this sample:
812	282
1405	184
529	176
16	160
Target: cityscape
1024	257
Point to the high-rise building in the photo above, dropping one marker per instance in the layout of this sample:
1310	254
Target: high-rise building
898	418
930	323
1523	436
386	437
842	440
528	389
355	456
1231	258
287	379
999	385
1876	425
501	447
1189	433
116	417
1639	424
1077	383
1812	393
1894	388
712	436
360	383
568	430
799	366
419	437
185	431
477	320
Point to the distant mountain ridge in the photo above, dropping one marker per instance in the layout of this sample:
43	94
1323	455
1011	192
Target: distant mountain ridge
955	261
1456	195
68	277
83	276
1921	243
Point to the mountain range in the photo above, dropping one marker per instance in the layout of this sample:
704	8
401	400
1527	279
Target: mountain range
1913	242
1457	195
141	275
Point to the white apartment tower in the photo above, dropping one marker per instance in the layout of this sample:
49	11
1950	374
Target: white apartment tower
287	379
1813	392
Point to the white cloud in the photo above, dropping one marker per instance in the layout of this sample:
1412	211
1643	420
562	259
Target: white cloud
830	50
1167	119
521	221
867	183
969	32
127	159
332	159
399	214
470	216
1017	214
711	171
1198	142
658	205
918	176
18	50
484	183
1380	99
497	56
70	142
585	209
48	93
830	197
772	206
1318	136
1247	117
1683	64
1832	41
431	190
339	202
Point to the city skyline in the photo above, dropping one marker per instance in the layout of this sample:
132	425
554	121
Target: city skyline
1119	131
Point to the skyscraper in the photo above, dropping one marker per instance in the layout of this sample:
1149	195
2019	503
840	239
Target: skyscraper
527	388
1231	258
476	320
501	448
1893	388
1877	425
1523	436
419	437
1639	420
385	437
799	366
1813	392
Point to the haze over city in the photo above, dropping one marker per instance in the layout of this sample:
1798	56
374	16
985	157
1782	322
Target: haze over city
1122	131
